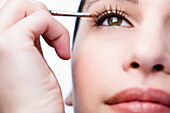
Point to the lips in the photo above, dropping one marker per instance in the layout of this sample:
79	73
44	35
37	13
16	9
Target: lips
140	100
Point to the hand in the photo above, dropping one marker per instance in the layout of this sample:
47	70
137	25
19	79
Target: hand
27	83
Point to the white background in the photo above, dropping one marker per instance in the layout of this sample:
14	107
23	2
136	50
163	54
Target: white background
61	68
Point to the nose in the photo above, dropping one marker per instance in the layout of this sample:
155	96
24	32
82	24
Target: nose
149	53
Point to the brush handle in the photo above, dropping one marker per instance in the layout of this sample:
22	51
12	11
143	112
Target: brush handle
65	13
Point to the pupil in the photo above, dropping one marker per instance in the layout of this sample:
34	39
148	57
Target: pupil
114	21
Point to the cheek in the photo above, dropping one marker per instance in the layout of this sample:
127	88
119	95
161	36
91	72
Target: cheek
96	65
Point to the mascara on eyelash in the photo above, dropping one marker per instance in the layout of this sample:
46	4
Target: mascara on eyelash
104	13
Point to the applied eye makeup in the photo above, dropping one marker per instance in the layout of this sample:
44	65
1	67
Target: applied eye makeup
114	13
112	17
116	16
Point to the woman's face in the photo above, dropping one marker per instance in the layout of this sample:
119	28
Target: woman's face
121	59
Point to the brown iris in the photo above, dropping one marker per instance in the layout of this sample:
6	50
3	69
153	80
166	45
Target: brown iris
115	21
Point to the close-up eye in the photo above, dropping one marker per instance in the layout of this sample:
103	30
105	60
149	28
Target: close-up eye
116	21
115	18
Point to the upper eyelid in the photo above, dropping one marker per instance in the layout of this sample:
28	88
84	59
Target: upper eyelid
110	9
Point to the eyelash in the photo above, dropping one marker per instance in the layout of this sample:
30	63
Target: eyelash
102	15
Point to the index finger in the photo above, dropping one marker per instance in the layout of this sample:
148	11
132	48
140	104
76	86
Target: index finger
42	23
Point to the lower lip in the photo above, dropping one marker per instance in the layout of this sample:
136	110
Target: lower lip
140	107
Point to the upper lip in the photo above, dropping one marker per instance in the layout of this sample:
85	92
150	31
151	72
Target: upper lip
141	95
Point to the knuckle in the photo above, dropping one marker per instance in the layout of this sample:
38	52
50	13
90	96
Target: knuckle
43	14
67	34
65	30
41	5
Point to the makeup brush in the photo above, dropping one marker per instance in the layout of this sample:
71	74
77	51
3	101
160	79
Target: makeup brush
74	14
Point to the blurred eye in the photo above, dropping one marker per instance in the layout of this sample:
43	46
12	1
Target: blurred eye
116	21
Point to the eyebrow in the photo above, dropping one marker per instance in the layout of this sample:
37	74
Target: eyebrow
94	1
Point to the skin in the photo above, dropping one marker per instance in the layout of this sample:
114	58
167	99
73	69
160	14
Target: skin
101	62
103	56
27	83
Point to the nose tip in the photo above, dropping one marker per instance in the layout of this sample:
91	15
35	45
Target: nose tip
148	66
149	51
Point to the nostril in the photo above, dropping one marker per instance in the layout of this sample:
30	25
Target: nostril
134	65
158	67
